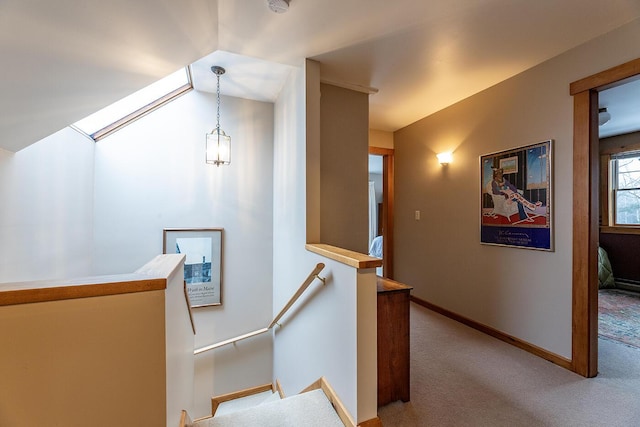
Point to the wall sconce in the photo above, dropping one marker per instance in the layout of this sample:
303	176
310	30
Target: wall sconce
444	158
218	143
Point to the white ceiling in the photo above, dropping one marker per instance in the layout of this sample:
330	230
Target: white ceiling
623	103
65	60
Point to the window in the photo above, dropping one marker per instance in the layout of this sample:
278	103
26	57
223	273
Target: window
625	182
134	106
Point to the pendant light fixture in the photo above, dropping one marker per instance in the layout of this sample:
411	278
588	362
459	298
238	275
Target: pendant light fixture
218	146
603	116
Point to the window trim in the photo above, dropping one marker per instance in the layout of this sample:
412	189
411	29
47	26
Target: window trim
614	186
608	191
140	112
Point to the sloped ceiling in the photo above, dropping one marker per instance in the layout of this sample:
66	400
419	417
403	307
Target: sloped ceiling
62	60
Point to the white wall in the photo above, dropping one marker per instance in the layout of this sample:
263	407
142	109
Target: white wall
151	175
321	339
178	340
46	214
523	293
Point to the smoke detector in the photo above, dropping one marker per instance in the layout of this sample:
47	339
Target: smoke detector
278	6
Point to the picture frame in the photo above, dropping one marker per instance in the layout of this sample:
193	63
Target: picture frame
203	262
509	164
516	197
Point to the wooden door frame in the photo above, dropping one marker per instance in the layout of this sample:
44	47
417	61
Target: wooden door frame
387	208
584	346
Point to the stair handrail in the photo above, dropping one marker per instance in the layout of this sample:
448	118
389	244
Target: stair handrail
310	278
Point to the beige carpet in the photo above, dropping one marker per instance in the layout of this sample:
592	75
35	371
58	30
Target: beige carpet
311	409
461	377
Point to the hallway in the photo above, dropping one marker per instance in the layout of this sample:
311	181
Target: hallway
462	377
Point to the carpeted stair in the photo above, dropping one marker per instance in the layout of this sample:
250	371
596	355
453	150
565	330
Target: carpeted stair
262	406
311	409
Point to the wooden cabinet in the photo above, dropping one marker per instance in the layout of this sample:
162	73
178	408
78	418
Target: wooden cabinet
393	341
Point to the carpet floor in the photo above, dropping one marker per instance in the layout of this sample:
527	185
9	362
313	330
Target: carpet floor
463	378
619	316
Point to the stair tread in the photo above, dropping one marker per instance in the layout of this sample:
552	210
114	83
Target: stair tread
311	409
244	402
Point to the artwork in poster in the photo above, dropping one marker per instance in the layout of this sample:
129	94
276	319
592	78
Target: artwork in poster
203	262
516	197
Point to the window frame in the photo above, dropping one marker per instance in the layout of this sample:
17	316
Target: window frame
615	186
608	188
140	112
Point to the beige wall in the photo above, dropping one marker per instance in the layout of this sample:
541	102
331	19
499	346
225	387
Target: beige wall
344	147
521	292
380	139
122	359
98	361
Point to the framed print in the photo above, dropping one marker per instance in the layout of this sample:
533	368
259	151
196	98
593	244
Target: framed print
509	165
516	197
203	262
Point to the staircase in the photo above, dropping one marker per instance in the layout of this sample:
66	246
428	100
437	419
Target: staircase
316	406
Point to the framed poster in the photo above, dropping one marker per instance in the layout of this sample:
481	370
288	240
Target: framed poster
203	262
516	197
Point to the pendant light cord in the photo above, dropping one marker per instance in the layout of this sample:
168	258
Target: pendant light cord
218	106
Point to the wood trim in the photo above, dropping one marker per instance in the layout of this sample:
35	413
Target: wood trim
310	278
603	188
332	396
185	420
585	214
375	422
388	209
165	265
380	151
188	302
388	161
230	341
217	400
619	230
278	388
43	291
344	256
153	276
540	352
620	144
607	78
384	284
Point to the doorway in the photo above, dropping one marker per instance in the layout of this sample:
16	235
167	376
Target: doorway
385	213
586	210
619	235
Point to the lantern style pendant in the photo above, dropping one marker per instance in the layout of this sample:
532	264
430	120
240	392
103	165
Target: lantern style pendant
218	143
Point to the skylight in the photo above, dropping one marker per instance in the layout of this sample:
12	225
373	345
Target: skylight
120	113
